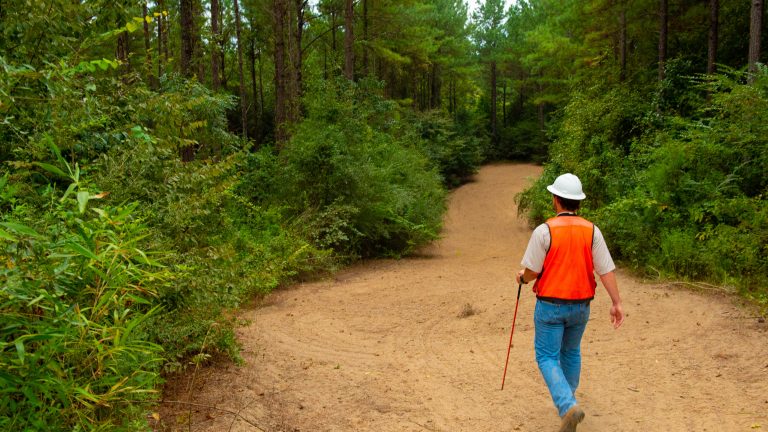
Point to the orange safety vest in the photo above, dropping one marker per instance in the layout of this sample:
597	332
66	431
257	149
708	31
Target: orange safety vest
568	271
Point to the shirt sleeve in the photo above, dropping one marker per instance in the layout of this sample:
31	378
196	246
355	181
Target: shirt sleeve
601	257
537	249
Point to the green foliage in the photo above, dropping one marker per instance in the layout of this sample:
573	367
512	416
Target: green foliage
456	155
78	294
355	176
675	195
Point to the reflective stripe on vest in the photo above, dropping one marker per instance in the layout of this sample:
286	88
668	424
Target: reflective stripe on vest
568	271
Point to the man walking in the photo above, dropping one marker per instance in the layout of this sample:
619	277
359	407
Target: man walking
562	256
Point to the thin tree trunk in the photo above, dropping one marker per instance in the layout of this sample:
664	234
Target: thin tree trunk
494	91
325	62
147	46
436	87
197	58
714	12
298	60
280	12
215	12
166	31
755	33
663	22
349	55
160	42
123	43
333	32
261	86
540	111
186	16
504	104
365	37
623	43
254	88
222	47
455	98
243	106
521	97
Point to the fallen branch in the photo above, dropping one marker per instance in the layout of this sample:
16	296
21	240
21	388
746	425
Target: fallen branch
234	413
704	286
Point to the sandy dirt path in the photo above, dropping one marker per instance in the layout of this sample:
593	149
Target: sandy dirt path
382	347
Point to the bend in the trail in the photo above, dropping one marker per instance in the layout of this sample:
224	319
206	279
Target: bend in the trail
419	345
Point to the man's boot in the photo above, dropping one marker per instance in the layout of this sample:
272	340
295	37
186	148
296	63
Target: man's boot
571	419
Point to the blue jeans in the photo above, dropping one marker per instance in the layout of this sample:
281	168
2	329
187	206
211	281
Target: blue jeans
559	328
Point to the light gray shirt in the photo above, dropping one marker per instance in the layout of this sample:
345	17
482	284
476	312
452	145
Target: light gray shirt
539	245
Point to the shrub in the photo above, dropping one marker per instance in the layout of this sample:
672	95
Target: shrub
78	293
351	178
687	196
456	156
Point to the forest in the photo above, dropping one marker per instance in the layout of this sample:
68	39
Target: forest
164	162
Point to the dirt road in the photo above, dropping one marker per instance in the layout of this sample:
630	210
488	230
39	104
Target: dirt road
385	346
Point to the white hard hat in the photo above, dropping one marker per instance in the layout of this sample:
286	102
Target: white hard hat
567	186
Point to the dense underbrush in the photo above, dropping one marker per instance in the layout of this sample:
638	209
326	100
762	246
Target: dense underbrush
678	192
118	261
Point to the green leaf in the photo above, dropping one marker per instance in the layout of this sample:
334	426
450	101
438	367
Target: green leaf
81	250
20	350
69	190
131	27
51	169
20	229
6	236
82	200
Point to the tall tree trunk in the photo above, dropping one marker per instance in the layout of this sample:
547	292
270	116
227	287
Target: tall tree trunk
623	43
333	32
663	20
349	54
366	71
254	88
280	15
521	97
436	87
123	42
297	60
187	21
504	104
243	101
455	97
166	30
540	111
714	12
222	47
325	62
494	91
755	33
160	41
197	58
147	46
215	12
159	47
261	86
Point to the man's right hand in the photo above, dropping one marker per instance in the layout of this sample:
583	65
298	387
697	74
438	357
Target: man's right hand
617	315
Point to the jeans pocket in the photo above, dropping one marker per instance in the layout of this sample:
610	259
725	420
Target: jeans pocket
546	312
585	314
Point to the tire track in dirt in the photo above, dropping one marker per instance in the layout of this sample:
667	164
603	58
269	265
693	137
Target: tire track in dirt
381	347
